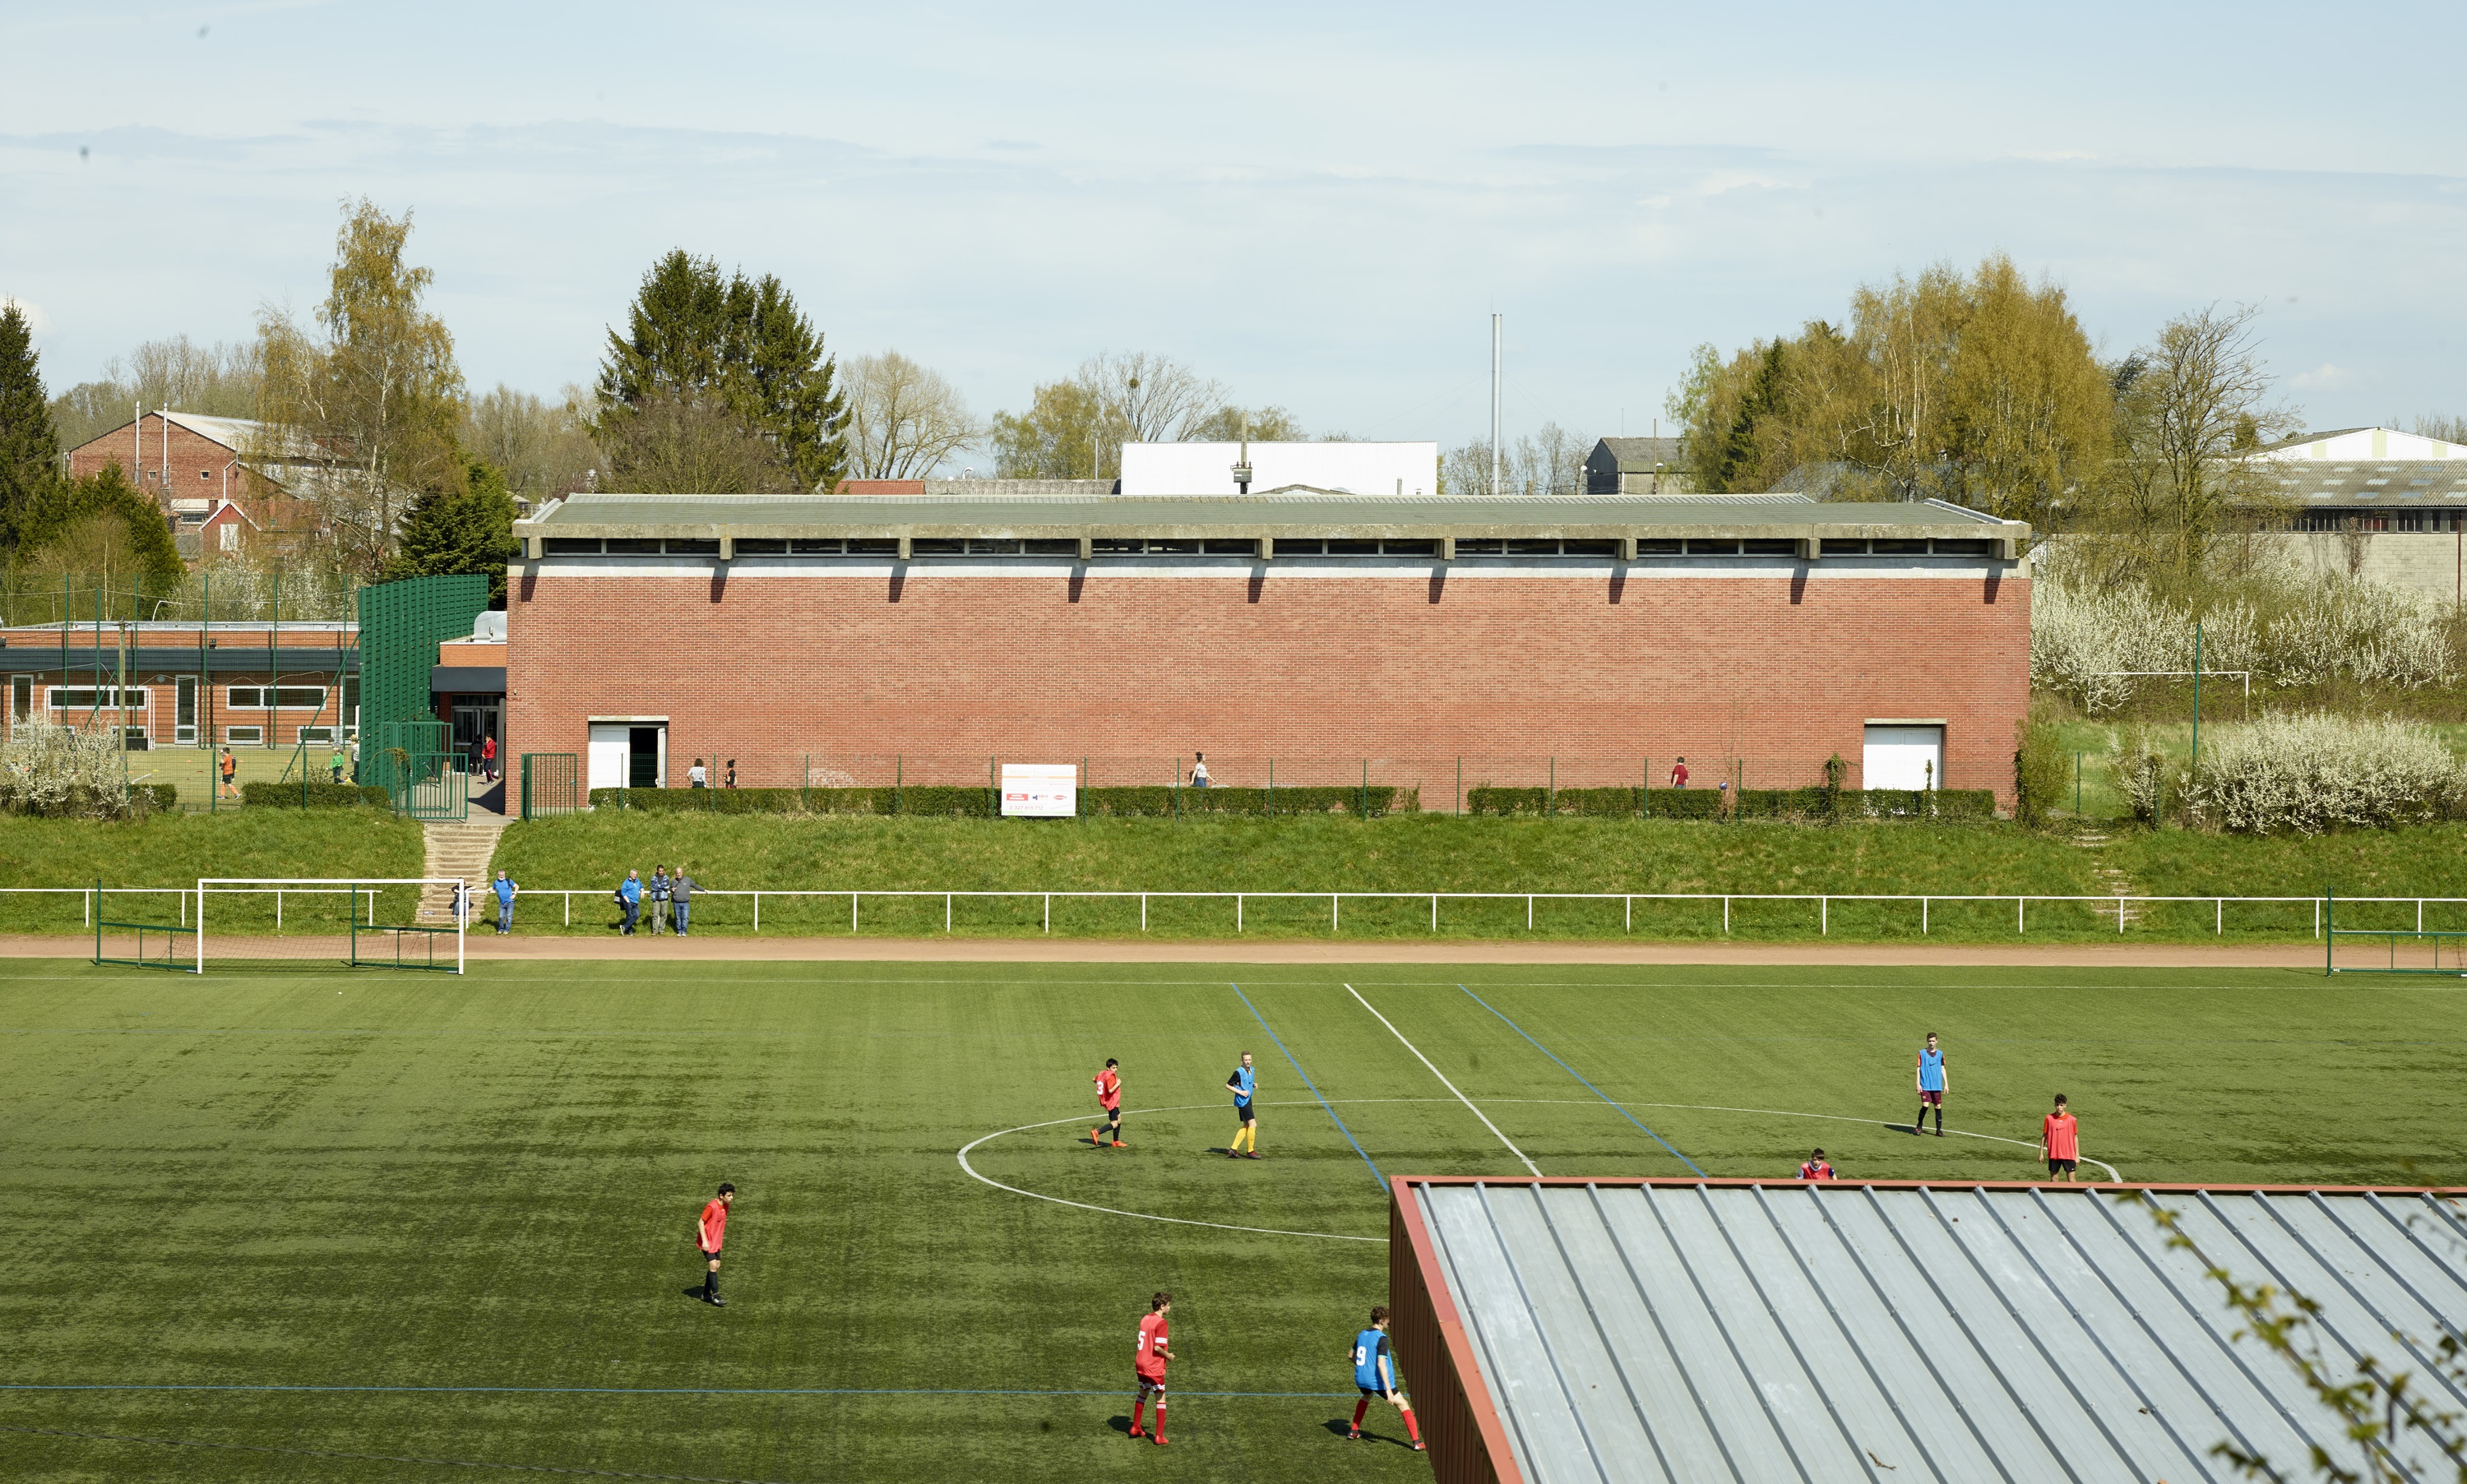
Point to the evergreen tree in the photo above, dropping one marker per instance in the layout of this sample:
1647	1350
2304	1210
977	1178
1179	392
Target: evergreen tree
96	525
464	525
692	335
29	449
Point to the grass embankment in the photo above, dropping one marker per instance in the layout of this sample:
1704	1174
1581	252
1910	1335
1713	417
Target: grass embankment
175	849
589	854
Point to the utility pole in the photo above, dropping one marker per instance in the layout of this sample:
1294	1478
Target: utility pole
1495	333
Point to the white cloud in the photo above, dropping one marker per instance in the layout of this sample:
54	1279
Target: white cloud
2326	377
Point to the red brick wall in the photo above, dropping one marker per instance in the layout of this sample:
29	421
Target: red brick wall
195	463
1300	666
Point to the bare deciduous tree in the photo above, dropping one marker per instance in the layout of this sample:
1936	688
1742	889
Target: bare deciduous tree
2187	407
220	380
365	413
904	420
675	444
545	448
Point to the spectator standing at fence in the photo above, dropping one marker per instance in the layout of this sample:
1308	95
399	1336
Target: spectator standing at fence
1199	770
629	896
336	761
681	887
697	776
1679	774
506	891
658	894
355	757
488	758
228	767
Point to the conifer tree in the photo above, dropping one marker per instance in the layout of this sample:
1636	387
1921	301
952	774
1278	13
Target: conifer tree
693	338
461	525
29	449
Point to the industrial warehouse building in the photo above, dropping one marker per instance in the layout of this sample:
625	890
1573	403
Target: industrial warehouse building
1600	638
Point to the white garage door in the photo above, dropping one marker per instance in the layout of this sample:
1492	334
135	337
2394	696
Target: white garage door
608	755
1911	757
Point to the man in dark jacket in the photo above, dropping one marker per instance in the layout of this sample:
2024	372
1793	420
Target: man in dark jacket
680	890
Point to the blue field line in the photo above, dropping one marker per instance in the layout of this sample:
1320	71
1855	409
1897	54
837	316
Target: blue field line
690	1391
1580	1077
1314	1086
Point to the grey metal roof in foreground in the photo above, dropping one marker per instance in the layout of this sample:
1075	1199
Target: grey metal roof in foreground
1730	1330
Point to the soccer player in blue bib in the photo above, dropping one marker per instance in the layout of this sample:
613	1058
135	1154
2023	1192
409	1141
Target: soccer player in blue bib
1374	1372
1930	1080
1242	1084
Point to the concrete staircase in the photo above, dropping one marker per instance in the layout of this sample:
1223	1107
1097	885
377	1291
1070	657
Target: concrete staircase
2111	879
462	847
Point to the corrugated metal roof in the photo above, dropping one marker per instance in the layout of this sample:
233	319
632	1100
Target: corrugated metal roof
1269	513
1753	1332
2369	480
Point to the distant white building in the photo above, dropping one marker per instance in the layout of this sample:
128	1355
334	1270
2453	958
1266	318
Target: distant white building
2355	446
1396	469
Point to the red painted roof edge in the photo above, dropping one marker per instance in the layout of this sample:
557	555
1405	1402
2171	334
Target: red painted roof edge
2163	1187
1452	1333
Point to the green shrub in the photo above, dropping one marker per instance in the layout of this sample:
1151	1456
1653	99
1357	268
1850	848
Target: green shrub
2039	773
158	797
1815	804
315	793
1154	801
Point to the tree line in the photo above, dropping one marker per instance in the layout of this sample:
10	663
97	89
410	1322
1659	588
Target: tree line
1982	389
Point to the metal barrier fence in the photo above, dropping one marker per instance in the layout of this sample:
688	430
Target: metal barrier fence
552	784
1676	781
1821	901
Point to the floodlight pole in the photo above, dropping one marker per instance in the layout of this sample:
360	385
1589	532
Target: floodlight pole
2197	702
1495	333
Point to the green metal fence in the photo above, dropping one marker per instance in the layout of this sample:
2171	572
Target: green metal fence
552	784
401	624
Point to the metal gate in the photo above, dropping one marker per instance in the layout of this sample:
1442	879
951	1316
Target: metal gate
434	787
552	784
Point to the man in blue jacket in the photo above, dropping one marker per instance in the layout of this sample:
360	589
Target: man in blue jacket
629	896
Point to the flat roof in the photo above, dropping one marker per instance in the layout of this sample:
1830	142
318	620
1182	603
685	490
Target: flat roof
1243	517
1691	1330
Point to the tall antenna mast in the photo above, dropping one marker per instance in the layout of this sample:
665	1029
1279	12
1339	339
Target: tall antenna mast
1494	404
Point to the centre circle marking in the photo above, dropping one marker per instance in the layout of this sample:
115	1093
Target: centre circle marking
1336	1236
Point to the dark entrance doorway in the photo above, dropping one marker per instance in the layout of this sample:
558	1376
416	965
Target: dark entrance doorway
642	756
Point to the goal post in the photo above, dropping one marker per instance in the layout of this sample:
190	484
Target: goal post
2389	950
387	922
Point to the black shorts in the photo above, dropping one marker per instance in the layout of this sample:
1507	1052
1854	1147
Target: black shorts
1373	1392
1242	1111
1146	1385
710	1257
2062	1166
1111	1114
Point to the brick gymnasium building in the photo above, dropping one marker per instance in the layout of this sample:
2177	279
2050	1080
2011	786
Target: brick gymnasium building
235	683
1590	637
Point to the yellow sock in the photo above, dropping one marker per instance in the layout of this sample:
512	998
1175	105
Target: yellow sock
1249	1138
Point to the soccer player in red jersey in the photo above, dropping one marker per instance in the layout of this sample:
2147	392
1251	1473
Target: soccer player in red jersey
2060	1141
1148	1359
707	1234
1109	1097
1816	1168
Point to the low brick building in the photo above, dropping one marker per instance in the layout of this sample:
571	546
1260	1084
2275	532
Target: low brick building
220	490
236	684
1593	637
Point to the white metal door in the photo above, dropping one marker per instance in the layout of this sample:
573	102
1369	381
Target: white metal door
609	751
1911	757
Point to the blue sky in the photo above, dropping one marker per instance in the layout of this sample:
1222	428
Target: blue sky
1319	204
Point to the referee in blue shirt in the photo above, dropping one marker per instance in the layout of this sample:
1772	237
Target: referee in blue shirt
1242	1084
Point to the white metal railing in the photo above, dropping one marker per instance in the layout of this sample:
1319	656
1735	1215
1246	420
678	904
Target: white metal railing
1822	901
185	894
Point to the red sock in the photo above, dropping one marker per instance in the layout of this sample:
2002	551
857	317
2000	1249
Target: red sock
1136	1407
1360	1407
1410	1431
1160	1419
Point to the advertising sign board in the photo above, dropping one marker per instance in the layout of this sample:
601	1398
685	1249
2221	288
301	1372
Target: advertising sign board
1040	790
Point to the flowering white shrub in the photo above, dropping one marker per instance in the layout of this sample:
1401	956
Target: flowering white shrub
2317	628
2307	773
53	769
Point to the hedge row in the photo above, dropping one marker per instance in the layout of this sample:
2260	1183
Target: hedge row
1818	805
316	793
1151	801
144	797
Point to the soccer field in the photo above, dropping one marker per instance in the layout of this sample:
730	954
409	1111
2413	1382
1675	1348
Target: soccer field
318	1225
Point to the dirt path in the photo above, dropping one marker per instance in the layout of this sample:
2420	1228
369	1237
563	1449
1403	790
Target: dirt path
486	946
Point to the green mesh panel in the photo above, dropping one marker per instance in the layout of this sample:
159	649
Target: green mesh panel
401	624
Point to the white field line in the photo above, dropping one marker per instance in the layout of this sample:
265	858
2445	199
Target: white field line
1336	1236
1443	1079
1146	1215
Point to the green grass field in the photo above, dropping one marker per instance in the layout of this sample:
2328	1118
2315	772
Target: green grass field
440	1219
